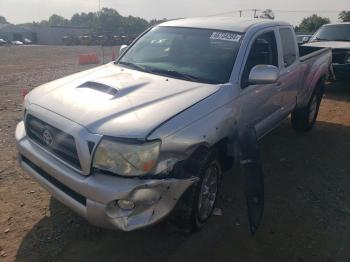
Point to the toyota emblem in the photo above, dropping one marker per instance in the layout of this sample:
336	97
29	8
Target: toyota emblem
47	137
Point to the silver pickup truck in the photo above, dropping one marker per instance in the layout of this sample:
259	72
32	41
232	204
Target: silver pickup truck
127	143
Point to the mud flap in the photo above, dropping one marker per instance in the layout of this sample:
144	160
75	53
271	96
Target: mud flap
253	178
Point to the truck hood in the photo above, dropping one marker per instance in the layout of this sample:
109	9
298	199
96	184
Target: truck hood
331	44
116	101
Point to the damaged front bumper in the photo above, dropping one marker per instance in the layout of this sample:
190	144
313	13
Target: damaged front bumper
96	197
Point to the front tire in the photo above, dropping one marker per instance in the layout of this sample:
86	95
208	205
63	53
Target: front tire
303	119
198	202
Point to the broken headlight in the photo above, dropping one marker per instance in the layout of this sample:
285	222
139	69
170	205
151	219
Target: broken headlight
126	159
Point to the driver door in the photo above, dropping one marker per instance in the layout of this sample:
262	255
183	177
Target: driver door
261	104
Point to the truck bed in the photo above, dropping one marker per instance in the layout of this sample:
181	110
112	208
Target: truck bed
315	61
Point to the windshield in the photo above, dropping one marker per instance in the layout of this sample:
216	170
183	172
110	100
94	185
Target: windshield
333	33
199	55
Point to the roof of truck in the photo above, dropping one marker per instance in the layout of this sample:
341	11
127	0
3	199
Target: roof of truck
223	23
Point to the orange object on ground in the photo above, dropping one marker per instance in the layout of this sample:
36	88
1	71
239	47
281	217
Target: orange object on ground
88	59
24	92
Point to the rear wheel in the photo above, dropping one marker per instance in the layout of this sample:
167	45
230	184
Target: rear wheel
198	202
303	119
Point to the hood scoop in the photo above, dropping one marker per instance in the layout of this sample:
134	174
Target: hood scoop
99	87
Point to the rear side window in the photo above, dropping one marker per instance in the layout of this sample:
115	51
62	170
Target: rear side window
288	46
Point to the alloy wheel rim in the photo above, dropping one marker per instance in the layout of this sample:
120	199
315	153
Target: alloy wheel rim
208	192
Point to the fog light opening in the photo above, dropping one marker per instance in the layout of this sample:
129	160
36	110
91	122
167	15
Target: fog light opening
125	204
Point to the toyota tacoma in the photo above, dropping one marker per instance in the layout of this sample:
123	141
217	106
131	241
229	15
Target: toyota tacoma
129	142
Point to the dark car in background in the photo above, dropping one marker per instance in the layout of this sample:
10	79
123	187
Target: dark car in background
337	37
302	39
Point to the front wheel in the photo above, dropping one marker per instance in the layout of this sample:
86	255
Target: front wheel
303	119
208	193
198	202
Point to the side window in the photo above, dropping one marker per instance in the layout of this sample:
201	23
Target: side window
263	52
288	46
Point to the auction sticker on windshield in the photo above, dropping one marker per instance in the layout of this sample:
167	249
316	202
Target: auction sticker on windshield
225	36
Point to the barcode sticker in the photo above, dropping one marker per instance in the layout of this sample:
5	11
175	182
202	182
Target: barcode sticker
225	36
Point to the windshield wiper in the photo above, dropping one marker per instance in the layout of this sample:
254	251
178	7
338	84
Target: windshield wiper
171	73
321	39
176	74
134	66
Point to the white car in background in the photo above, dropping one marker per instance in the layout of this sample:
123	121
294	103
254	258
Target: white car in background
27	41
16	42
2	42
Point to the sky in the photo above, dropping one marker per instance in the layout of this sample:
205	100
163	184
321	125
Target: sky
21	11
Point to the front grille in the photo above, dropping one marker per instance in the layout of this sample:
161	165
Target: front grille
339	56
75	195
52	139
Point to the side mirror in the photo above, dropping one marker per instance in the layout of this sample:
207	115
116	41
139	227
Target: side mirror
122	49
263	74
306	39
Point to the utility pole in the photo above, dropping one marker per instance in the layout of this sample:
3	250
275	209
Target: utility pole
255	10
100	29
240	13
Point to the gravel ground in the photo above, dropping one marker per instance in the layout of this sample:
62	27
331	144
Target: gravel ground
307	183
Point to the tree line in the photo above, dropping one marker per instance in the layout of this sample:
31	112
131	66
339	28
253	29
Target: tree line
312	23
106	20
109	20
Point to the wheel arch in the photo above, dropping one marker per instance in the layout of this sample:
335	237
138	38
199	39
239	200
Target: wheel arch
319	81
226	149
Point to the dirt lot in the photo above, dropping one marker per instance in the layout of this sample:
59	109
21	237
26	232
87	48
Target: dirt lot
307	215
